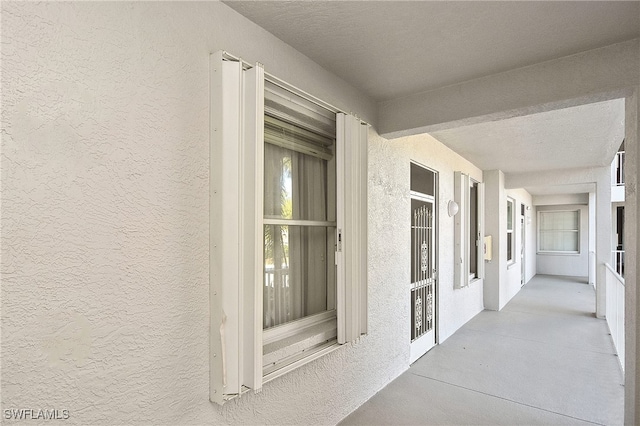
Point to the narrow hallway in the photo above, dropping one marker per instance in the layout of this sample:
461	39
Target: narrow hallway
544	359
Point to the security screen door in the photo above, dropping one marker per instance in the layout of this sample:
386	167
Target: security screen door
423	261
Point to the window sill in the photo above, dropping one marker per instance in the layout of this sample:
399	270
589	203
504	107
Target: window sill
283	355
474	280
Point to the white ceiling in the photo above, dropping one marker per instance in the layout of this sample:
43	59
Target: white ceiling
389	49
578	137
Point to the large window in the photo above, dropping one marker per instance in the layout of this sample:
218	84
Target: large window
288	229
559	231
299	210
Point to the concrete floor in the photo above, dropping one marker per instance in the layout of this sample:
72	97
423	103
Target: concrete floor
544	359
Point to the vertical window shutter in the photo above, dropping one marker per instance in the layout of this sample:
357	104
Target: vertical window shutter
236	172
351	258
481	263
225	261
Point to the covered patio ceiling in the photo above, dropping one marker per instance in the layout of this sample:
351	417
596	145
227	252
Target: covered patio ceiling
390	50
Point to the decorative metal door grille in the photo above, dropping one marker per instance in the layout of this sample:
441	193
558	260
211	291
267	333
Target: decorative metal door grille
422	269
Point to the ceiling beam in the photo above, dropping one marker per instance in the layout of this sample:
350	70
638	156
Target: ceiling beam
592	76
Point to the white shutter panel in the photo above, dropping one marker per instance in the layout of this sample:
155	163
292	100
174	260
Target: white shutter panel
351	259
235	228
481	263
225	262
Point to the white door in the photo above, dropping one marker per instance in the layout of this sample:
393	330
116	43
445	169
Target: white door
423	270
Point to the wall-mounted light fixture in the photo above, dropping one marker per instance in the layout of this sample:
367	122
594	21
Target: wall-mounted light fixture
452	208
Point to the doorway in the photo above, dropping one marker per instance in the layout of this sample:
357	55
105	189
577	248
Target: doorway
423	260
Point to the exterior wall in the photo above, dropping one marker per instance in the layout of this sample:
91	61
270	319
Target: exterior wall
455	306
495	226
105	127
105	282
575	265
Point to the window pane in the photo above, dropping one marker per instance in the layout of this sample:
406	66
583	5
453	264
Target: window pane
510	215
296	185
509	246
299	272
422	180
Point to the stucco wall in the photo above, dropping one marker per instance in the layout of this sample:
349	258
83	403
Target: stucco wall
455	306
576	265
105	147
105	194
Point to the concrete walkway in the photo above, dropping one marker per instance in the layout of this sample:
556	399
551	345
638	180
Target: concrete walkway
544	359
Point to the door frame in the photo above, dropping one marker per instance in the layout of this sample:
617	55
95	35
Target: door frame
436	244
523	244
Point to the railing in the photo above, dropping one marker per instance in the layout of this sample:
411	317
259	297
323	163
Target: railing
617	260
617	169
615	310
278	296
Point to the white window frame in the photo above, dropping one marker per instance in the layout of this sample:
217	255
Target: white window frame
577	231
236	230
511	235
462	246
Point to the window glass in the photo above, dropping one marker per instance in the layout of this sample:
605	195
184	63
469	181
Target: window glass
299	258
422	180
295	185
296	272
510	234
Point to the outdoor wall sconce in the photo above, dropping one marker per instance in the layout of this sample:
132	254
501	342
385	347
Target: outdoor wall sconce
452	208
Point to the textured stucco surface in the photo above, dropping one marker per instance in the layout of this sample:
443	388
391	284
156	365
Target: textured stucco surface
105	165
105	196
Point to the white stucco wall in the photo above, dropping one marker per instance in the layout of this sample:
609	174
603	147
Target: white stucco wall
105	146
455	306
575	265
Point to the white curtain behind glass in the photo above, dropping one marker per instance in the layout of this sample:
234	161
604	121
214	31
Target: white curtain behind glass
295	256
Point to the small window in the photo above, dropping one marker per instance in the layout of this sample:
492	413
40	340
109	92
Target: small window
510	233
474	230
559	231
468	230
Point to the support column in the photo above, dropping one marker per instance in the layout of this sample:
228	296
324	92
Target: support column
632	259
603	236
495	225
